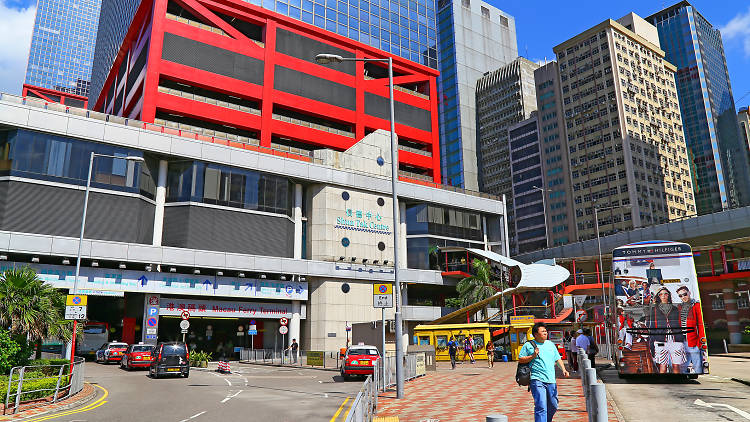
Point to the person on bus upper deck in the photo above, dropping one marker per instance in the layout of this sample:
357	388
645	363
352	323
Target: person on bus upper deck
691	319
666	335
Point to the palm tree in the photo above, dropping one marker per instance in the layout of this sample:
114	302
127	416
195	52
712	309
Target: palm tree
480	286
31	308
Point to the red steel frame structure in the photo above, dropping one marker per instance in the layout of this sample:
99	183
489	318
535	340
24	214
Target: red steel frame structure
143	99
54	96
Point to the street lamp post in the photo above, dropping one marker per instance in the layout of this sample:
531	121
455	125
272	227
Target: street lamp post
83	228
601	270
333	58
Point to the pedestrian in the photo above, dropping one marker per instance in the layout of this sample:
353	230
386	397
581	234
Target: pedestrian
490	354
452	350
573	352
582	342
593	347
542	355
469	348
293	348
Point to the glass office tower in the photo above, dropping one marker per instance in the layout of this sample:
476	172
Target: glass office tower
475	38
404	28
62	45
720	165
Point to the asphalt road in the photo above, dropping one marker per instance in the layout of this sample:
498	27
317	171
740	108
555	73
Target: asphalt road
250	393
712	397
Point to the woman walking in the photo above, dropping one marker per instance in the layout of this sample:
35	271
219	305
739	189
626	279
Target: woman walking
469	348
490	354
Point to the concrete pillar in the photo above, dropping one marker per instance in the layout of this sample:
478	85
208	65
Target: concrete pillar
294	323
731	310
484	233
161	198
402	235
297	214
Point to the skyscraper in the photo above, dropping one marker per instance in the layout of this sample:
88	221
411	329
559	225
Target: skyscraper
475	38
624	133
744	118
717	154
503	97
404	28
528	181
62	45
555	162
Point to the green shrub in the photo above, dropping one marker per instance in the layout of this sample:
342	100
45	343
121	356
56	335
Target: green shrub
196	357
47	366
14	351
48	383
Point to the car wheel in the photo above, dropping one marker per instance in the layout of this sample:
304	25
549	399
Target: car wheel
186	374
122	364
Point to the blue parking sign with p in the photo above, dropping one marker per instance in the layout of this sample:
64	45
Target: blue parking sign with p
153	311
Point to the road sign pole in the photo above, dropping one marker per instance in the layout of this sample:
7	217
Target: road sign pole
382	351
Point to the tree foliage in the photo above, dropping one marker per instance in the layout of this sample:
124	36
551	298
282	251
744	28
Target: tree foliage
480	286
31	308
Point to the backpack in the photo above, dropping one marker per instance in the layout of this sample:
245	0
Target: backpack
593	348
523	372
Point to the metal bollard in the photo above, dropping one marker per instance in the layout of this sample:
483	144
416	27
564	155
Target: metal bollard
585	364
590	381
598	411
496	418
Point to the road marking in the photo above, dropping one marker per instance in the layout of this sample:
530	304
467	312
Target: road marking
742	413
231	396
193	417
338	412
91	406
228	382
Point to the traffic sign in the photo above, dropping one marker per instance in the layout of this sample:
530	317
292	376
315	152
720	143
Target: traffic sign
75	306
382	295
151	322
184	324
284	321
185	315
283	329
252	332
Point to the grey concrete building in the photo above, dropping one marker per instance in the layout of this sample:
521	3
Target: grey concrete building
504	96
474	38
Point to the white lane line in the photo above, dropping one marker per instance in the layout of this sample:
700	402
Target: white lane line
228	382
193	417
231	396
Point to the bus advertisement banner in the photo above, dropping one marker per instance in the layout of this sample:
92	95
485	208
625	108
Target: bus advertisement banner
658	311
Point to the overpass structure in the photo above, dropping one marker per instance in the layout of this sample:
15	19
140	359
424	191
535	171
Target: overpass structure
721	249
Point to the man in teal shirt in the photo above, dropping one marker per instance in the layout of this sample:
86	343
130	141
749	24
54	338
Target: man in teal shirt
542	355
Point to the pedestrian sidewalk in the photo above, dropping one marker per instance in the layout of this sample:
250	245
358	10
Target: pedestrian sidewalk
39	408
471	392
730	366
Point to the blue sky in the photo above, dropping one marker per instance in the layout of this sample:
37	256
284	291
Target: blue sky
538	27
538	30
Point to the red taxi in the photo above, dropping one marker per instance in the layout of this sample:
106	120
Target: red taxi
111	352
359	360
137	356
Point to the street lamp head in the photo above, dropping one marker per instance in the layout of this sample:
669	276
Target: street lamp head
328	58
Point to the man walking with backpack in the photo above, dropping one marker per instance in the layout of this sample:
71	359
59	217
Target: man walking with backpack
452	350
542	355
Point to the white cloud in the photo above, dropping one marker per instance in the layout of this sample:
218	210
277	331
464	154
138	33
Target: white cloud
15	40
739	28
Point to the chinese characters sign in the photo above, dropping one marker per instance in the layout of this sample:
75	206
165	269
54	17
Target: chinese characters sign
360	220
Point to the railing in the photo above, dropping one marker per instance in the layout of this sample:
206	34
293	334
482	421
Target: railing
278	357
389	378
44	375
365	404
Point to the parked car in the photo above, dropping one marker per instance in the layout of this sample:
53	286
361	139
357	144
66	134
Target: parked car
171	358
137	356
359	360
111	352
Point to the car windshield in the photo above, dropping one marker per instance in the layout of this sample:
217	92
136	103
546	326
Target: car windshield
143	348
364	351
118	346
173	350
94	329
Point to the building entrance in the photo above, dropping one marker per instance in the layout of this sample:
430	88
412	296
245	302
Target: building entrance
220	336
